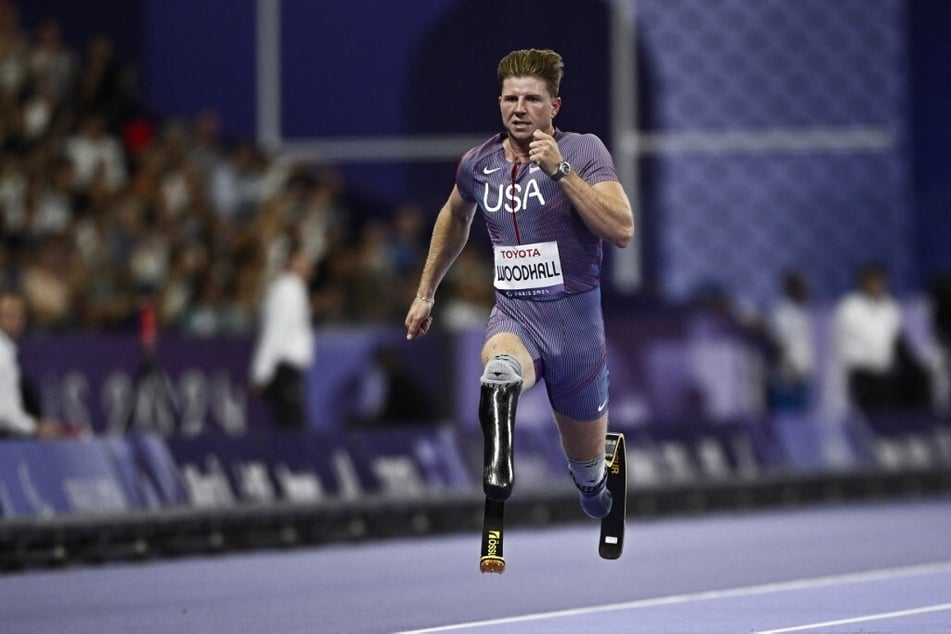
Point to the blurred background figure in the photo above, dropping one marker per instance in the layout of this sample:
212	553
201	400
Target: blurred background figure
940	299
285	347
470	299
15	417
880	370
387	394
96	153
789	328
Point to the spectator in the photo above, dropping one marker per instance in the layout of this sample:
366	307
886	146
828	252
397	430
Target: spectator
236	184
940	297
39	110
206	317
178	291
792	357
313	202
46	286
206	151
99	84
15	420
409	241
96	153
371	278
14	55
880	372
13	186
52	65
471	299
163	205
285	345
243	294
941	308
48	206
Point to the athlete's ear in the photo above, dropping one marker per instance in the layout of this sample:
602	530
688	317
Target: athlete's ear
555	106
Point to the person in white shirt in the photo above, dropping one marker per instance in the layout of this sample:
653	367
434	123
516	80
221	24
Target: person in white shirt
868	326
789	327
15	421
285	346
94	152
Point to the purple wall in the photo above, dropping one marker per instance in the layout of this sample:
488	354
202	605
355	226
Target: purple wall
198	56
930	81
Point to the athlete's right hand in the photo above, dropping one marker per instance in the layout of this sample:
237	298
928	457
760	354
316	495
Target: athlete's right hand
419	318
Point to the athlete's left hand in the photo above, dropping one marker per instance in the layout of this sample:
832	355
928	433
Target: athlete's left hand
544	152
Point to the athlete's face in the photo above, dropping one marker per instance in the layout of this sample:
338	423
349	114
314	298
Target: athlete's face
527	106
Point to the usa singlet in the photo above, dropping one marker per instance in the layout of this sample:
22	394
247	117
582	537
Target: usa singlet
543	251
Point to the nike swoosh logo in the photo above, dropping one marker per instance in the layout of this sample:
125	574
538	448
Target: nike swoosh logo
486	170
603	405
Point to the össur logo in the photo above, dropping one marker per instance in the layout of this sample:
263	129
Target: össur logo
494	538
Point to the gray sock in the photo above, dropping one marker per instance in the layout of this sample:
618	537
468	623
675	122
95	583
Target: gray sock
587	474
591	478
502	369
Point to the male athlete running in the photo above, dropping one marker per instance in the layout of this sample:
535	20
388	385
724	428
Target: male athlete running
549	199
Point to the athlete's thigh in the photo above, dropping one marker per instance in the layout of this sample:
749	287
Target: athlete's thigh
510	343
508	332
576	371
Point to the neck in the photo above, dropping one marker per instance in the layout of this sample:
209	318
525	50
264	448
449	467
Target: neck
516	152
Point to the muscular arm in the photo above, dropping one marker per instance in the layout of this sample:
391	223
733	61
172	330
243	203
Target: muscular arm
450	235
604	207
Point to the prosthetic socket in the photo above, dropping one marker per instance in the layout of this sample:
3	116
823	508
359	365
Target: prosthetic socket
497	405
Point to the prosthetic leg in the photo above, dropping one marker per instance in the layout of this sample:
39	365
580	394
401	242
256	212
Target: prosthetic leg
497	407
501	387
611	542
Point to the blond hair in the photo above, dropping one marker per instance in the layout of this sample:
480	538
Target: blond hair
545	64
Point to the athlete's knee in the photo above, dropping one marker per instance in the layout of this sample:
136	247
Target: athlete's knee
502	369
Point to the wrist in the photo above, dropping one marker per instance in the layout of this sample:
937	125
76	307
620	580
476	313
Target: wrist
564	168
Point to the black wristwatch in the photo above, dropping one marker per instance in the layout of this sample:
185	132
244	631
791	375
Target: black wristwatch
563	169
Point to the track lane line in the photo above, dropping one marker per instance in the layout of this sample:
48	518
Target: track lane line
941	607
709	595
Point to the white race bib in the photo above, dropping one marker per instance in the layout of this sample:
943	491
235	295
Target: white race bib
529	269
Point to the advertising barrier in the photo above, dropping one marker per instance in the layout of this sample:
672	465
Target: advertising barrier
398	420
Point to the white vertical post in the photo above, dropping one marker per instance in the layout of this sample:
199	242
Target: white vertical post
624	92
268	78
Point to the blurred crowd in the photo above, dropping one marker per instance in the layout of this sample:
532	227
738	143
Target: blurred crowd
103	206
